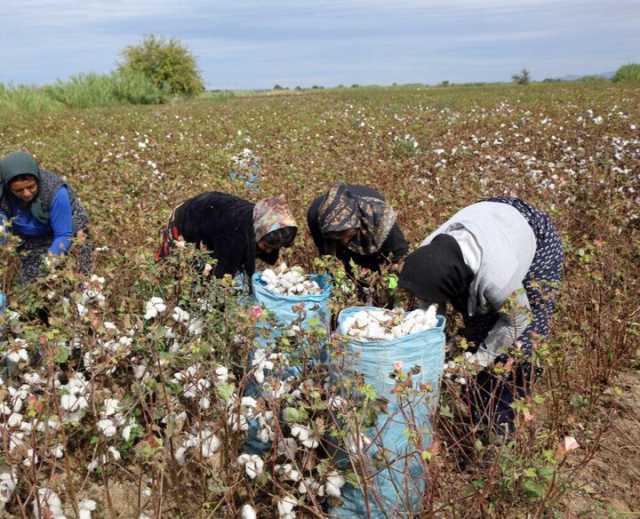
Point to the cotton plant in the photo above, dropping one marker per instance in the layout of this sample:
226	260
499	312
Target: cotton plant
265	361
8	483
286	507
48	504
252	463
74	398
92	293
154	307
17	352
203	441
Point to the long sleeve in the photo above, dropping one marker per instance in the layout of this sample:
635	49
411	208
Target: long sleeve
60	220
314	227
3	221
395	247
513	318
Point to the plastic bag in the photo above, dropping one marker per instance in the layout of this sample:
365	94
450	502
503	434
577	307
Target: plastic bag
398	487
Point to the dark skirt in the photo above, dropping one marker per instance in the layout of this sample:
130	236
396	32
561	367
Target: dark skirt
494	395
33	251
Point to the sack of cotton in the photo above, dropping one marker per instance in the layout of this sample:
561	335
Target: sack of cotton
400	356
293	319
297	301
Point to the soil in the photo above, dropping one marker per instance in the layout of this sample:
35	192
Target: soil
609	484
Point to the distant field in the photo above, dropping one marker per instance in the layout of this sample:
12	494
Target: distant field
571	149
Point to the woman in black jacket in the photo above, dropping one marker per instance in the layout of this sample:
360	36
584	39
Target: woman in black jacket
355	223
233	230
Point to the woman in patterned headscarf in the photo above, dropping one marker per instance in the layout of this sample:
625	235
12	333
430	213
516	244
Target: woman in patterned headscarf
44	213
233	230
355	223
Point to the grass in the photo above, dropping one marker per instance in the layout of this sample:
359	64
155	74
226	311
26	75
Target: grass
569	149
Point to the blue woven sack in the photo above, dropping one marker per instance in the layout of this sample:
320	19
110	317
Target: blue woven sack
316	314
316	307
398	486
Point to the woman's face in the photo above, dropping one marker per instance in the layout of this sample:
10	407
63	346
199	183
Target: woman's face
24	189
265	247
345	236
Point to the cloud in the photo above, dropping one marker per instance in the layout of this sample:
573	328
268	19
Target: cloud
258	43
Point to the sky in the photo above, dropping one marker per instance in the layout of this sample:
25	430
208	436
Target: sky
251	44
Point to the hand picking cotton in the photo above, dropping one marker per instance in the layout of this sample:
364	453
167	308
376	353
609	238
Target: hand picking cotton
384	325
290	281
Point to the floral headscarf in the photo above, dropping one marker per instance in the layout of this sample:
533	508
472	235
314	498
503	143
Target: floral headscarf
270	215
372	217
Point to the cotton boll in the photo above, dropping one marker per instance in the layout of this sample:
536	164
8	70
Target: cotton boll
86	507
286	505
381	324
7	485
247	512
334	483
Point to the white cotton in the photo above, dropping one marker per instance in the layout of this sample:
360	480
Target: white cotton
14	420
107	427
334	483
196	326
286	505
7	485
48	504
210	443
58	451
111	406
154	307
180	316
86	507
288	472
289	281
115	453
247	512
380	324
180	455
304	436
222	374
253	464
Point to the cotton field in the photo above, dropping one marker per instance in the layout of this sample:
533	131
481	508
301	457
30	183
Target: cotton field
141	392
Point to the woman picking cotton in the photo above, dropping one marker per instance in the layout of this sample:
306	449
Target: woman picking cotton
356	223
44	213
233	230
499	263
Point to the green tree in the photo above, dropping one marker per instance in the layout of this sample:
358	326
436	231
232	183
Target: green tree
522	78
167	63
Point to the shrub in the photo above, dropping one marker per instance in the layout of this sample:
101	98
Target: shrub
135	88
124	86
167	63
83	91
27	99
630	72
593	78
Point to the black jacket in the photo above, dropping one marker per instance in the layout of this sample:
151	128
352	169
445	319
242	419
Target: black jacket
223	224
394	248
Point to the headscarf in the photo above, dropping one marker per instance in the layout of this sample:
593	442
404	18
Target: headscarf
270	215
17	164
372	217
437	273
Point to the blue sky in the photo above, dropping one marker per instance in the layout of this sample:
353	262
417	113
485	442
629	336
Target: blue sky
258	43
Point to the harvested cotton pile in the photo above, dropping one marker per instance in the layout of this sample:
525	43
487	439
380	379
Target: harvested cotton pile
290	281
383	325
